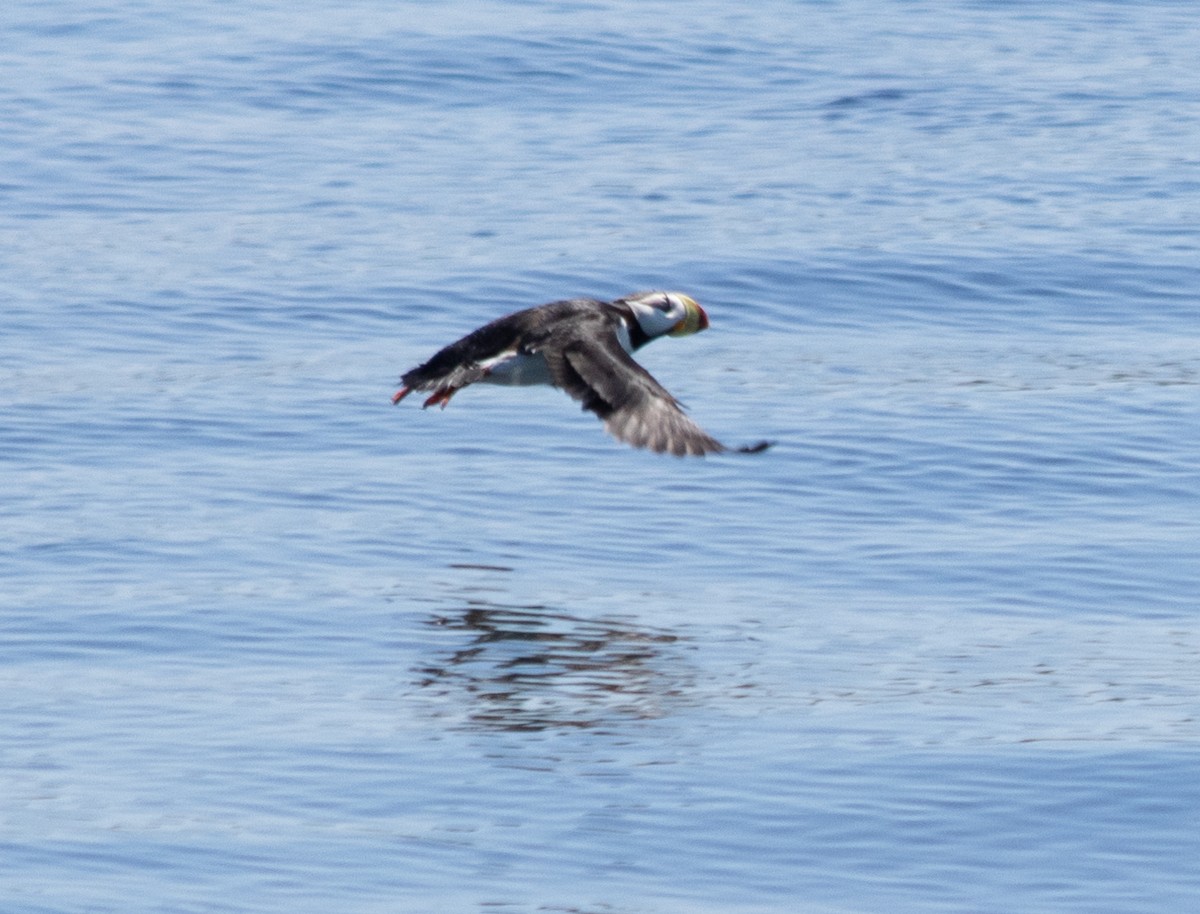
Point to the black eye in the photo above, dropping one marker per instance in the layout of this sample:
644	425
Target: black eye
664	305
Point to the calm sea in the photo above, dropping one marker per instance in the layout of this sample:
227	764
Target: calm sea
269	644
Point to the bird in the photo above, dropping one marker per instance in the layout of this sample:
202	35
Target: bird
583	346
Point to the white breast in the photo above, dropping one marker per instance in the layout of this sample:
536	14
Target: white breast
623	337
516	370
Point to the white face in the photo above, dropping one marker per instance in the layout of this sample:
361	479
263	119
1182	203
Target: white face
662	312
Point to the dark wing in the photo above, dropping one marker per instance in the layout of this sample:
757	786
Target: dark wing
591	366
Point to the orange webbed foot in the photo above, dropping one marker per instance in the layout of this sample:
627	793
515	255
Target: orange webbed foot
440	397
400	395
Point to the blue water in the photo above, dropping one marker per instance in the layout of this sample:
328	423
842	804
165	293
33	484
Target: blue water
269	644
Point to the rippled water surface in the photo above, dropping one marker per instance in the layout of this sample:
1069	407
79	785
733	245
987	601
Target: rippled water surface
271	644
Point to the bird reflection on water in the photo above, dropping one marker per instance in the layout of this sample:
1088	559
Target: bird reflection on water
539	668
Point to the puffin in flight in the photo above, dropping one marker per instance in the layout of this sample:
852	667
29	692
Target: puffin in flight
583	346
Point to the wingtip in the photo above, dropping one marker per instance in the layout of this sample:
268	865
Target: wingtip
754	448
717	448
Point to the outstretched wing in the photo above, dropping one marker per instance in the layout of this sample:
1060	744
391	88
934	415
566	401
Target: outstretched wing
595	370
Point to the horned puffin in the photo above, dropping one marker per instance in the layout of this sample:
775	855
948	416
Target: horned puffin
583	346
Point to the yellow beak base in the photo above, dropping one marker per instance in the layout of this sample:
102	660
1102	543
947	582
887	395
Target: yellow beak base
694	320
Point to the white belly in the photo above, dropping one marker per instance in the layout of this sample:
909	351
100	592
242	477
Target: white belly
515	370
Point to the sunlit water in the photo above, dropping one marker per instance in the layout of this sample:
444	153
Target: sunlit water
269	643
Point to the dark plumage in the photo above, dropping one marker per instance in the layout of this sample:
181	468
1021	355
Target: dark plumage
582	346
